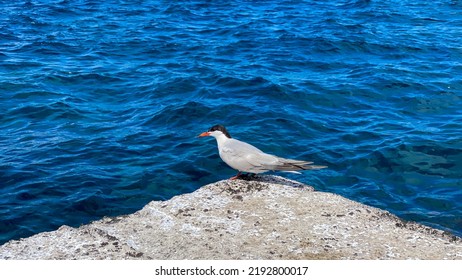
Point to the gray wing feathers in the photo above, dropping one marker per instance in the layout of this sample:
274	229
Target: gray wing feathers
263	161
293	165
260	161
249	157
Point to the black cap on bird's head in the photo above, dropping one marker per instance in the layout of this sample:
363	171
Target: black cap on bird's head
221	128
217	127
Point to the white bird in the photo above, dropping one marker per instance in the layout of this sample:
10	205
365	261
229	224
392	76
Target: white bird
246	158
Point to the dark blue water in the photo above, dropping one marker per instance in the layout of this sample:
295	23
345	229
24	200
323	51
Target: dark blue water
100	102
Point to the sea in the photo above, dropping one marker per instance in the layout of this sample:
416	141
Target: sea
101	102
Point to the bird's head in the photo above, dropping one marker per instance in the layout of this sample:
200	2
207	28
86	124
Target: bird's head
216	131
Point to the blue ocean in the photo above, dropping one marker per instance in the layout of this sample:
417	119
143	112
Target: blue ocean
101	102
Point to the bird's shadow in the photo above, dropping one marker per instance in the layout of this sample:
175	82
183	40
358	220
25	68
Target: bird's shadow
272	179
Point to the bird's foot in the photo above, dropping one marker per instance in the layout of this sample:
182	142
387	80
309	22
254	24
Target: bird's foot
236	177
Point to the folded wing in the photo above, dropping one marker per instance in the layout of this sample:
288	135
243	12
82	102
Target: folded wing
245	157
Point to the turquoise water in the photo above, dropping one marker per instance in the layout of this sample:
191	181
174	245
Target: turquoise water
100	102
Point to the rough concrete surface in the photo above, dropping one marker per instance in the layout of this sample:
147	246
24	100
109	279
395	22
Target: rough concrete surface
268	217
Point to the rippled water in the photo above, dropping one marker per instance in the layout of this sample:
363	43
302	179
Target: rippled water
100	102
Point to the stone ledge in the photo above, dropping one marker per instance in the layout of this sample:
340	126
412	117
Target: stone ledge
266	217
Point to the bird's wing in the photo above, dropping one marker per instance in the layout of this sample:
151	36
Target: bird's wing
239	148
262	161
284	164
245	157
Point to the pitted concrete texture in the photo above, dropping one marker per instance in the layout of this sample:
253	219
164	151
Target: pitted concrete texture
266	217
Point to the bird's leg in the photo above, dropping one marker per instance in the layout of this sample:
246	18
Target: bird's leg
235	177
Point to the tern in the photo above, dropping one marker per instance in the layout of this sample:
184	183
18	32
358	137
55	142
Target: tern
246	158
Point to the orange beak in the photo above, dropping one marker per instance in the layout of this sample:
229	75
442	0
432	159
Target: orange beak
203	134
